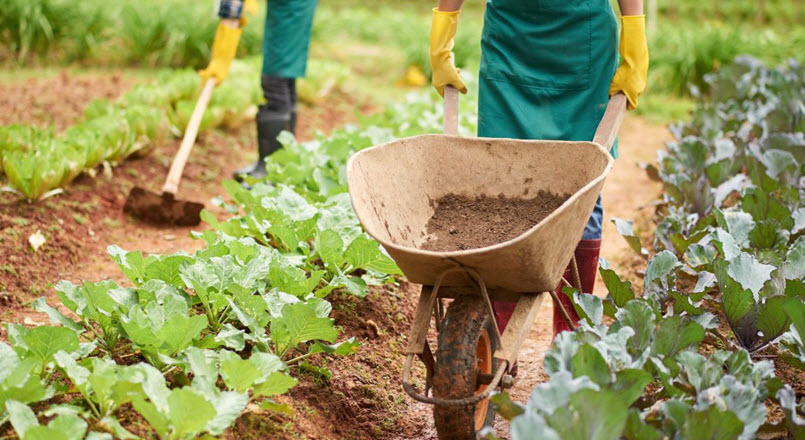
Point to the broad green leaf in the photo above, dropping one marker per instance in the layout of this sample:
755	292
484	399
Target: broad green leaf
274	406
794	422
549	396
638	429
168	269
660	266
43	342
591	306
204	366
674	334
505	407
795	310
190	412
739	224
238	374
794	266
299	324
71	426
699	255
55	316
595	415
621	291
639	316
179	332
726	244
762	205
799	221
330	247
524	427
21	416
276	383
631	383
231	337
705	281
625	228
712	424
772	320
229	405
340	349
589	362
364	253
749	272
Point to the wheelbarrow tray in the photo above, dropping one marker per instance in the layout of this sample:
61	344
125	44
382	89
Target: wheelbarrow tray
394	187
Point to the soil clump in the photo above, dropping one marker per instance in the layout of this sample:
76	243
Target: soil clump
461	223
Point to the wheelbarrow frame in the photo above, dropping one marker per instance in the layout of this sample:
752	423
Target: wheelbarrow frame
527	303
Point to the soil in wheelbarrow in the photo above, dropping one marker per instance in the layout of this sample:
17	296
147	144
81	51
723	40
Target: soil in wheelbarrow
461	222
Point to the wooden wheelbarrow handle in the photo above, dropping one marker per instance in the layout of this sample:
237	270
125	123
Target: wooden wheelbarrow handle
450	123
610	123
177	167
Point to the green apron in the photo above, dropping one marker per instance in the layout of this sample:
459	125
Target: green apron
287	37
546	66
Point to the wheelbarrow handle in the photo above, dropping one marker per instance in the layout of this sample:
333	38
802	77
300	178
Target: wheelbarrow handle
610	123
450	125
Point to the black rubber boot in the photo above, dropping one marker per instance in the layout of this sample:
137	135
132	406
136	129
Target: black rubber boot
269	126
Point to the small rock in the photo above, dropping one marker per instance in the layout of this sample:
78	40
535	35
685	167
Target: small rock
372	326
453	231
169	237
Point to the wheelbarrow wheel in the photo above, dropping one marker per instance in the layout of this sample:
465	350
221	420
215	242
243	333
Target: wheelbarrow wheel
465	348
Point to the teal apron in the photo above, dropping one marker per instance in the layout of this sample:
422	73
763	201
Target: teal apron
287	37
546	66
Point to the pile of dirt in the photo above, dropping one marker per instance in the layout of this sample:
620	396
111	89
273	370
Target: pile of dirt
461	222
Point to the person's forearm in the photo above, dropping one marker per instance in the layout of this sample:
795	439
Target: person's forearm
455	5
630	7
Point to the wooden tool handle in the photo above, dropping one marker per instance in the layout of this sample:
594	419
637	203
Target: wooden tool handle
177	167
450	125
610	123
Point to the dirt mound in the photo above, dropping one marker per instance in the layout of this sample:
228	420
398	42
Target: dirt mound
461	223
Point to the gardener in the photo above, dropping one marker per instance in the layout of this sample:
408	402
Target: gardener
285	46
548	68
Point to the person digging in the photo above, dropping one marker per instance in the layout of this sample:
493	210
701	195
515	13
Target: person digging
286	40
548	68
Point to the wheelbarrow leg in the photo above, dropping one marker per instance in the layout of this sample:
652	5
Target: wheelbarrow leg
519	325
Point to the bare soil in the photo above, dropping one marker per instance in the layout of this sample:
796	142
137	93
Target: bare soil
364	398
59	100
461	223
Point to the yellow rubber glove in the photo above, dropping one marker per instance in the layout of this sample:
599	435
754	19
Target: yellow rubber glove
249	7
442	31
630	78
223	52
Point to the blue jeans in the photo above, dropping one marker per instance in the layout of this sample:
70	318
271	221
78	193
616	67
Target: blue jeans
595	224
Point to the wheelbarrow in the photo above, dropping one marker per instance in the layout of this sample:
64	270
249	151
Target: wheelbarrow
393	186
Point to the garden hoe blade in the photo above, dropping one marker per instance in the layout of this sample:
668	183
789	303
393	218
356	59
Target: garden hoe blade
165	208
162	209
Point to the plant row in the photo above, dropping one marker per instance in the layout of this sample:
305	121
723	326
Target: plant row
199	339
37	161
723	300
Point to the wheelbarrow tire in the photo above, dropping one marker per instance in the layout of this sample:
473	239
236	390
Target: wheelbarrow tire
465	346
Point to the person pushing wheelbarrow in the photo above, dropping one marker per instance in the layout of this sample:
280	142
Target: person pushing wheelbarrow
548	68
285	49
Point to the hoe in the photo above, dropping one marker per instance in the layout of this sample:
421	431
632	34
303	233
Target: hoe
166	209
